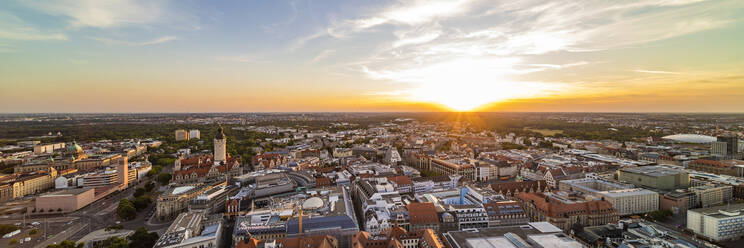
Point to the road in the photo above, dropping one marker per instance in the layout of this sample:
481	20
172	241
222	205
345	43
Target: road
63	235
40	220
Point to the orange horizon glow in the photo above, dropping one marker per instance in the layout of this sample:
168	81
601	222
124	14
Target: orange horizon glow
347	56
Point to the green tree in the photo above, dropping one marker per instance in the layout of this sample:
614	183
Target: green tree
33	231
143	239
139	191
126	210
141	202
164	178
114	227
116	242
149	186
67	244
546	144
13	242
5	228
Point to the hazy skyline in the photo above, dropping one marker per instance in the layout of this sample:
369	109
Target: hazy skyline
244	56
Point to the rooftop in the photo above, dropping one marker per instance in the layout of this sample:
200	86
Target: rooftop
535	234
654	171
725	211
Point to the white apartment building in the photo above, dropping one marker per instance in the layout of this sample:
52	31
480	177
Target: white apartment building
717	223
625	199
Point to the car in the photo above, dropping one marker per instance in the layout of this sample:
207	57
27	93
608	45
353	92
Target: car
18	223
35	223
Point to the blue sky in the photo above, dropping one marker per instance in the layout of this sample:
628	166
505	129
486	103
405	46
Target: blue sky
143	56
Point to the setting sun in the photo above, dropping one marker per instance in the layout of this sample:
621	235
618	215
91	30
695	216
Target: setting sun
466	84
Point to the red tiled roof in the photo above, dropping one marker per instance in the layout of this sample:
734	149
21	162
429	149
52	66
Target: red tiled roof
539	185
557	209
401	180
250	243
322	181
319	241
423	213
707	162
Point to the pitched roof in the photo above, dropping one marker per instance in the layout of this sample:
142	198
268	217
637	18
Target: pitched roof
558	209
400	180
423	213
319	241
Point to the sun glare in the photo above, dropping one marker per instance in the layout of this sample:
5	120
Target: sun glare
465	85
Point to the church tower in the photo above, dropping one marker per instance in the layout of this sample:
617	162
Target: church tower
220	149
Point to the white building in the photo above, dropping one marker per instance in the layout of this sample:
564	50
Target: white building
60	183
392	156
717	223
626	199
194	134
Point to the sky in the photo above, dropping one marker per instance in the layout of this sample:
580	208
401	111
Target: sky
369	56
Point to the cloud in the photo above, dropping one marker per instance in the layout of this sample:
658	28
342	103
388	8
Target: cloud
110	41
485	43
322	55
418	39
273	26
656	72
13	28
409	13
300	42
103	13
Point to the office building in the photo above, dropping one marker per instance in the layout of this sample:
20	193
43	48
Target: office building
182	135
453	166
725	167
63	201
719	223
194	134
626	200
726	146
534	234
192	229
564	211
47	148
655	177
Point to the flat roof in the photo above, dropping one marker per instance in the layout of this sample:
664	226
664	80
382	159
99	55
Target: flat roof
655	171
725	211
535	234
65	192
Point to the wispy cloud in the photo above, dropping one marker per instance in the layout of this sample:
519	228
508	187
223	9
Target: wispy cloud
13	28
409	13
273	26
300	42
656	72
322	55
104	13
486	43
156	41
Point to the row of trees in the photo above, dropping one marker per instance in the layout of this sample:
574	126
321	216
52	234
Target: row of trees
141	238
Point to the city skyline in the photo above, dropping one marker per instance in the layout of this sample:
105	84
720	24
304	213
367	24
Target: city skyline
386	56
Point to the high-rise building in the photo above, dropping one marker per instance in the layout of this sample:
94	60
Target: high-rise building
194	134
726	146
181	135
122	170
220	149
